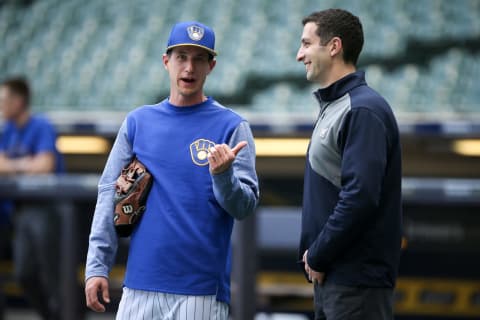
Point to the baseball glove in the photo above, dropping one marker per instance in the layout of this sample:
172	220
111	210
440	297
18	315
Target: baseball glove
131	191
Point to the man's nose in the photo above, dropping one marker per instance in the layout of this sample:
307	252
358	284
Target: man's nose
189	66
300	55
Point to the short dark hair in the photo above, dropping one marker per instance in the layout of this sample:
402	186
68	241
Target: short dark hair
18	86
339	23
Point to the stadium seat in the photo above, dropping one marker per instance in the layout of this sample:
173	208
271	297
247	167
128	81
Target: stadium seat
97	54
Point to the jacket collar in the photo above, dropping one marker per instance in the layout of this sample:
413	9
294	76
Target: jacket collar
340	87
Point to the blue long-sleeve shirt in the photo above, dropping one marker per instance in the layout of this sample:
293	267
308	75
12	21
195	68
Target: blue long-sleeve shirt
189	216
37	136
351	219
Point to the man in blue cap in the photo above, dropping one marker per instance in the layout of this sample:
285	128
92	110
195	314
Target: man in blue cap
202	159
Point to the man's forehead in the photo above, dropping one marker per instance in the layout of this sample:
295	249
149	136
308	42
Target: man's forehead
4	90
192	50
310	29
310	32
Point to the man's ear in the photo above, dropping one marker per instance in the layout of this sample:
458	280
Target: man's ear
19	102
336	46
165	58
212	63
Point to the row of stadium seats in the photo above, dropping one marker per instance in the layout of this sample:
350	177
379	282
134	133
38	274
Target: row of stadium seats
107	54
447	85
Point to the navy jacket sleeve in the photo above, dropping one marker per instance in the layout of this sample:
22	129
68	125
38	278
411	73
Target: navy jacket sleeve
363	141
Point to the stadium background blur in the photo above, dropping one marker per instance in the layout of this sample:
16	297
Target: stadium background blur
90	62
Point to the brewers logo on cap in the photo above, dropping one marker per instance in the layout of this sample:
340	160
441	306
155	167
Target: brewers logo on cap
195	32
192	33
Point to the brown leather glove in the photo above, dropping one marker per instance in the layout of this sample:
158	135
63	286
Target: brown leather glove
131	192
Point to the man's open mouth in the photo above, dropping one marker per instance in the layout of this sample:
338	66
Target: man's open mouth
188	80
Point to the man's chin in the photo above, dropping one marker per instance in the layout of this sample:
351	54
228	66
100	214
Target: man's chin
188	92
311	77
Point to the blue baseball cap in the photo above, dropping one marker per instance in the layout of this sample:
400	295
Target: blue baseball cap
192	33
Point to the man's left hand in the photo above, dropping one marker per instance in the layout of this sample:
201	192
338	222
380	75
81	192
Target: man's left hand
220	157
314	276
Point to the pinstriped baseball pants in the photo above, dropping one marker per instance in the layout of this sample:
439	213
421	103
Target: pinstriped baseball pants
151	305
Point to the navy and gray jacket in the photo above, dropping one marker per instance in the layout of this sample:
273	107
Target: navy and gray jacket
351	219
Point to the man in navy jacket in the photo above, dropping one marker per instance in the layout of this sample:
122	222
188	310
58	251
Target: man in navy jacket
351	220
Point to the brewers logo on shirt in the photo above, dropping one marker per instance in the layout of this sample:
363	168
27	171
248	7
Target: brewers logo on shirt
323	132
199	151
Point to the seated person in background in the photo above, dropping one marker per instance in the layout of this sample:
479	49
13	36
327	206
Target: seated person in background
27	146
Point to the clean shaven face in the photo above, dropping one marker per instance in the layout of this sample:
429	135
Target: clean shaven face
188	67
315	57
10	104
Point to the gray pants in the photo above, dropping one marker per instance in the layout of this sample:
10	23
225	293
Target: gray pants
36	257
150	305
337	302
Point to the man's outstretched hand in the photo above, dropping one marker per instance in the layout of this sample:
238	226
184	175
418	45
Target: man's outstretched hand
221	157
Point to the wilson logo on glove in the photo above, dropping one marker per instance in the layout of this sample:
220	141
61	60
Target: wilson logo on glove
127	209
131	192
